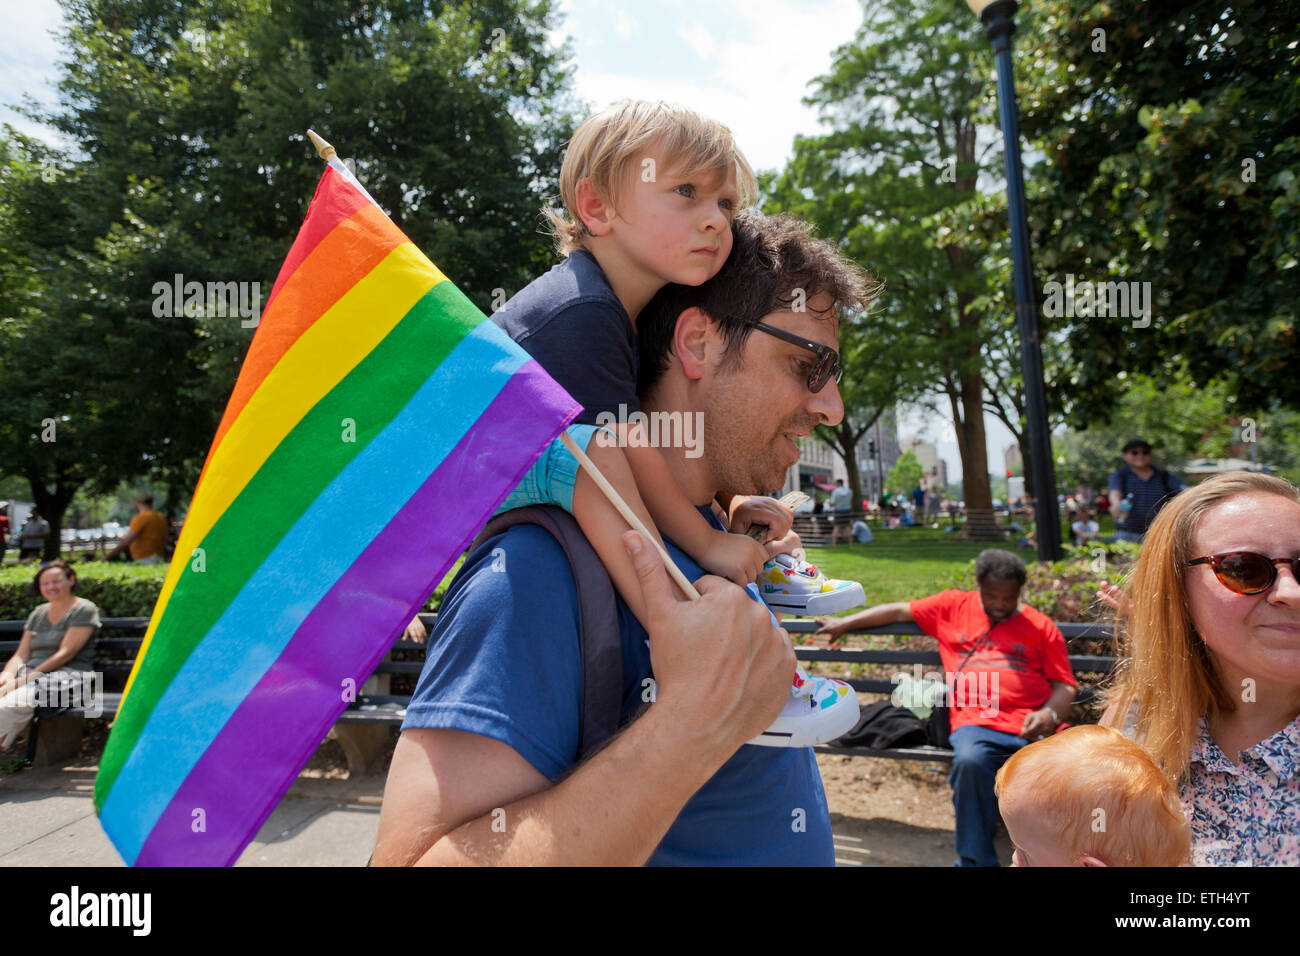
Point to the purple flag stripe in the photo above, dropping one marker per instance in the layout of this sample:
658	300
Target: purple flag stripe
254	759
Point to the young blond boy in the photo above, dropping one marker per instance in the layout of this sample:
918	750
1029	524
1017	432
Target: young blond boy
650	193
650	190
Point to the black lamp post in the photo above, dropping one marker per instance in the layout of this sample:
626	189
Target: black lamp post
998	27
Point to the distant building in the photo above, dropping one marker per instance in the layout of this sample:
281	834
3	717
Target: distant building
818	467
927	453
873	468
819	464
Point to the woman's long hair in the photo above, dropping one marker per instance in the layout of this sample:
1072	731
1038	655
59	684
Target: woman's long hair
1168	672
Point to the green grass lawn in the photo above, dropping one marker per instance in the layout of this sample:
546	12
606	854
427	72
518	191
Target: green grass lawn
900	564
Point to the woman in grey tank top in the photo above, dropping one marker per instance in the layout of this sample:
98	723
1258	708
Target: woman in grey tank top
55	658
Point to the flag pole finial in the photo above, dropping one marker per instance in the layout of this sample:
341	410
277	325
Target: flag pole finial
323	149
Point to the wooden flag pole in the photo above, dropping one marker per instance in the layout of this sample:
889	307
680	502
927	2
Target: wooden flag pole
629	515
331	156
323	149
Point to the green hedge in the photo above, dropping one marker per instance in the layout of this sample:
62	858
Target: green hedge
118	590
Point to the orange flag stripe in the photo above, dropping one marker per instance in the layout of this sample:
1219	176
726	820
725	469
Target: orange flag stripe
339	261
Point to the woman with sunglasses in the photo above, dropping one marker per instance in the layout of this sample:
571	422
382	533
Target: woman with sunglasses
1211	684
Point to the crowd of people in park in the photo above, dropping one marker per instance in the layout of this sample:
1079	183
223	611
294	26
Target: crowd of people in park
892	511
569	716
148	539
1135	492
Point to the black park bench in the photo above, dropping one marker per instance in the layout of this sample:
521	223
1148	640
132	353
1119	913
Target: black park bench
1083	665
55	733
364	729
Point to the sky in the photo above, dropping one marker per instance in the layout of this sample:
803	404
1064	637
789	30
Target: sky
747	63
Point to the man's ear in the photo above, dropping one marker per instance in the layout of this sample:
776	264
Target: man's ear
1086	860
592	209
691	340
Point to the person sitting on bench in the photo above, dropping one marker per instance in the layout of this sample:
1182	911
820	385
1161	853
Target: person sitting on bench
55	652
1009	681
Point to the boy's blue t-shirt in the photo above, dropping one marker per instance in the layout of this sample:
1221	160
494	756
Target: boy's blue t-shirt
573	324
503	662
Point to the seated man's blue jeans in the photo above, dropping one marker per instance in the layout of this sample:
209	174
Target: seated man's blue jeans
1122	535
978	752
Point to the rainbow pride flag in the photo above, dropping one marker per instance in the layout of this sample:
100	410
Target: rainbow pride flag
378	420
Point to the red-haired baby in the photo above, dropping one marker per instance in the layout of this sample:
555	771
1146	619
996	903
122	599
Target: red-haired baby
1089	796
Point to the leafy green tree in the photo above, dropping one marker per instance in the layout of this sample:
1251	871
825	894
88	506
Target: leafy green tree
1278	442
191	160
1170	143
1180	419
904	147
906	474
78	409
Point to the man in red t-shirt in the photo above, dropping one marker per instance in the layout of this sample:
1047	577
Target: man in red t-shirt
1009	678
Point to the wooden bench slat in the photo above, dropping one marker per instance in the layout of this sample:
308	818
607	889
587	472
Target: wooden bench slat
898	753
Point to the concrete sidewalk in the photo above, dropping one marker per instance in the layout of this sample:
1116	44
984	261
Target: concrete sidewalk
47	818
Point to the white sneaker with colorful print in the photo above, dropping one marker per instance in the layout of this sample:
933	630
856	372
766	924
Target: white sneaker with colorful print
792	586
819	710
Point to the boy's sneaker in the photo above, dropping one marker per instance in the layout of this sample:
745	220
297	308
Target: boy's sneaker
791	586
819	710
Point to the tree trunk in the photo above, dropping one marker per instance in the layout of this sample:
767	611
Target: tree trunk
980	522
849	452
51	506
968	417
844	439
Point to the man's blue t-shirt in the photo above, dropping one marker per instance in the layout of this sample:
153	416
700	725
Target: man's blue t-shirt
503	662
571	321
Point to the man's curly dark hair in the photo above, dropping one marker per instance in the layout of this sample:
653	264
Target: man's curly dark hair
775	264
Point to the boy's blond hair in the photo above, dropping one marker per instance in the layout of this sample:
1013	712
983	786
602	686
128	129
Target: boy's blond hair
1101	795
610	144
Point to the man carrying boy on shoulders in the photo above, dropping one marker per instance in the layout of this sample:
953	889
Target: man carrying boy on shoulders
486	769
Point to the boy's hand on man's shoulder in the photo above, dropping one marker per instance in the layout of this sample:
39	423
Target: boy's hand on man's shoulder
736	557
762	512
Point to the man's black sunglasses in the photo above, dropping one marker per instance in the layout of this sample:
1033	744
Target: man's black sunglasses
824	369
